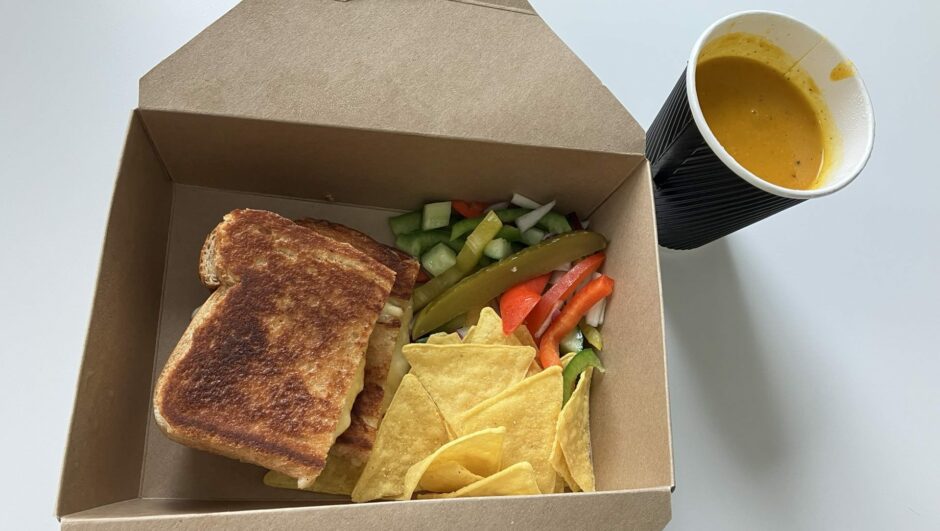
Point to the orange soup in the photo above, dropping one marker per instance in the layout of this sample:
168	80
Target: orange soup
765	111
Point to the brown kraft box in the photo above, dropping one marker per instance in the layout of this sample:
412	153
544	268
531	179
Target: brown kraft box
352	111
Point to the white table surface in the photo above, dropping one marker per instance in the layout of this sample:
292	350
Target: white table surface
803	351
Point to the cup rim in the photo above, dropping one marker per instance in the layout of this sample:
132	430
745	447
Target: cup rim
727	159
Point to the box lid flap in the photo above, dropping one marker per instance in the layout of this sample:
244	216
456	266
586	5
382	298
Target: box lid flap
487	69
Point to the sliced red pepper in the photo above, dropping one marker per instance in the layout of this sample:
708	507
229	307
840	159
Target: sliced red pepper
561	290
516	303
595	291
422	277
469	209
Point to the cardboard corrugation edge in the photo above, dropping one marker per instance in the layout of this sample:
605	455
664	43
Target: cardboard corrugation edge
439	67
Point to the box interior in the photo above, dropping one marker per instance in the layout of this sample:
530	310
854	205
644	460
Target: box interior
165	205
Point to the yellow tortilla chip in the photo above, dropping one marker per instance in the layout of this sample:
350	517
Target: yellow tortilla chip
479	453
559	484
339	476
529	412
489	331
459	377
557	459
442	338
516	480
524	338
412	429
448	476
573	435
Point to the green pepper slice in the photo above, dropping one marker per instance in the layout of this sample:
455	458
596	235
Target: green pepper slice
576	365
491	281
467	260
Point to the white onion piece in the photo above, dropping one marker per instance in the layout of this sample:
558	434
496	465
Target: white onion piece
595	315
527	221
556	311
603	313
193	315
564	267
497	206
523	201
462	331
585	224
556	276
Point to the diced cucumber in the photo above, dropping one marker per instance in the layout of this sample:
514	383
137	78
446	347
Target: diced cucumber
510	233
507	215
439	259
416	243
435	215
533	236
498	248
554	223
573	342
405	223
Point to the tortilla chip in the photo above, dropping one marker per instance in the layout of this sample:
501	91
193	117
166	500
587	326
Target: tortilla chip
489	331
442	338
339	476
518	479
412	429
559	484
459	377
529	411
557	459
478	453
398	366
573	435
524	338
447	477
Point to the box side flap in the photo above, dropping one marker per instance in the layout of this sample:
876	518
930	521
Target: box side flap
105	445
432	67
636	445
521	6
367	167
647	509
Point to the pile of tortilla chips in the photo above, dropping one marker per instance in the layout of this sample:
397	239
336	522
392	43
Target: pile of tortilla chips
475	417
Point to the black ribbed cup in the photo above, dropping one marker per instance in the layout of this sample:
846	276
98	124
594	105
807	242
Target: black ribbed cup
698	198
701	192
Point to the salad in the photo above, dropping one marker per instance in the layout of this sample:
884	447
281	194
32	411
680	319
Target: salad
536	266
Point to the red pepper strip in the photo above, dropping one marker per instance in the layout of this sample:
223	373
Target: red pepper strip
562	290
516	303
422	277
595	291
469	209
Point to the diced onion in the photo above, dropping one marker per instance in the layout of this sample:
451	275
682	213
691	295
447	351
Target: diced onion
556	276
595	315
551	317
564	267
585	224
497	206
462	331
527	221
523	201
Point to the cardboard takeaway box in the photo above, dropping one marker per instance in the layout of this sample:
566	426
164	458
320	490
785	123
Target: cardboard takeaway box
350	111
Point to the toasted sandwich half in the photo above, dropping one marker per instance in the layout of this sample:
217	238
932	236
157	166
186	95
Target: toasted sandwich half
270	365
355	444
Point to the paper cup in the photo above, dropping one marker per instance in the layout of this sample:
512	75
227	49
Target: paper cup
701	192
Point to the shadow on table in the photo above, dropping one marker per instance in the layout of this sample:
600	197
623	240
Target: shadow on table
707	314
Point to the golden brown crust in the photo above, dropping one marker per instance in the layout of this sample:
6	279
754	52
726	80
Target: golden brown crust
263	370
356	442
404	266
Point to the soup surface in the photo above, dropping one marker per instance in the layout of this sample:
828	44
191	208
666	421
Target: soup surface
762	119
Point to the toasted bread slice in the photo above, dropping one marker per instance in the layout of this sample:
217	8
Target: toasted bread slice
267	367
355	444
